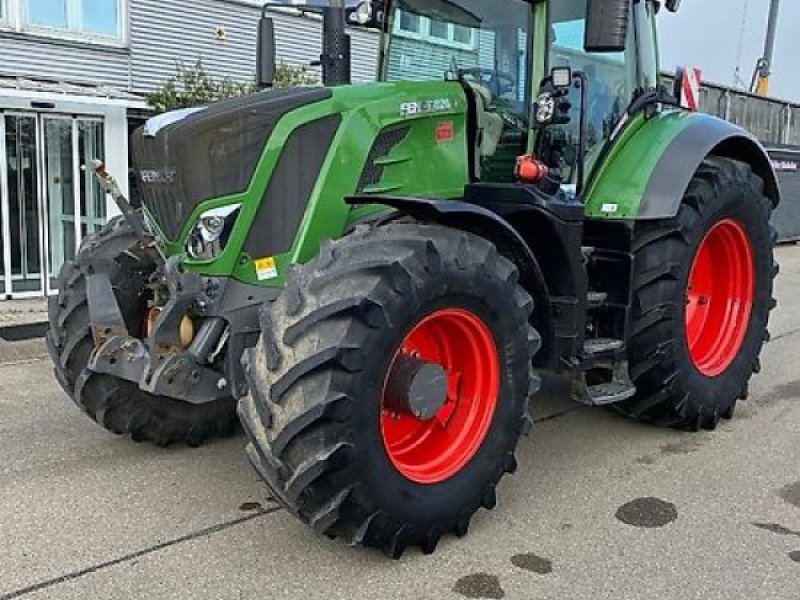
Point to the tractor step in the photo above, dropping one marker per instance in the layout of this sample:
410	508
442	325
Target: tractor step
596	300
597	347
610	393
604	354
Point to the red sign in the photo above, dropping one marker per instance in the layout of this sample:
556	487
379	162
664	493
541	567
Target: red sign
690	88
445	131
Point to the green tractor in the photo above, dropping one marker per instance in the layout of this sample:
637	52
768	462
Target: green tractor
378	275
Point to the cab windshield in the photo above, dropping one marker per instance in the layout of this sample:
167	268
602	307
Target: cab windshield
483	40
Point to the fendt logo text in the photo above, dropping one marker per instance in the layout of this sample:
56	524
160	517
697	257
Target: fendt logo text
156	176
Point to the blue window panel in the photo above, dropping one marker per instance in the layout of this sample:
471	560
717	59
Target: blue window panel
100	17
49	13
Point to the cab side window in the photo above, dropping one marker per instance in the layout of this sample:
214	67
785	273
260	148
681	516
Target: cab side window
611	79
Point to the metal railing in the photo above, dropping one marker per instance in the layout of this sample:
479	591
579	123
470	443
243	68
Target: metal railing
773	121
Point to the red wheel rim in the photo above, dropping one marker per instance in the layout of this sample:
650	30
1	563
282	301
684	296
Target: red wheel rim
719	297
432	451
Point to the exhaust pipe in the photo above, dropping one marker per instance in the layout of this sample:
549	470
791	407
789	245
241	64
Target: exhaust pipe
266	61
336	51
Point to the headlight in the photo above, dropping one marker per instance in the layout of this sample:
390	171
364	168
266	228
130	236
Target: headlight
211	232
545	108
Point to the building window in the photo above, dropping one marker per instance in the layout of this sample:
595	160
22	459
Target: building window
48	13
434	31
410	22
93	19
462	35
440	30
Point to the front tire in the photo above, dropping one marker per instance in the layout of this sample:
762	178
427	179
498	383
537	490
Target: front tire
703	285
320	429
117	405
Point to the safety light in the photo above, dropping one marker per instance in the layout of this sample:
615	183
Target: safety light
561	77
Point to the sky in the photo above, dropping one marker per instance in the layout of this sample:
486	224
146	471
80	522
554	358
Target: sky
707	33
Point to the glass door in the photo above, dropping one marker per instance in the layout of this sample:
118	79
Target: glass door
93	198
76	205
5	231
59	188
49	199
22	206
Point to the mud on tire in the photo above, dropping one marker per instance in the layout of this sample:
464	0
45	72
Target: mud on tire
117	405
672	389
313	417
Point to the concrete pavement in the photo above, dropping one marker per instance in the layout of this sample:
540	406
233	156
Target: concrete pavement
15	313
600	507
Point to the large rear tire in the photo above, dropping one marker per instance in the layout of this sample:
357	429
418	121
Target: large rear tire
321	430
120	406
703	285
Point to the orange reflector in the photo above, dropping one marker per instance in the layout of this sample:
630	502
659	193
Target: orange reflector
530	170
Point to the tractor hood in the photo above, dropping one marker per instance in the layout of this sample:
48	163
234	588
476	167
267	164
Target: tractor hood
185	157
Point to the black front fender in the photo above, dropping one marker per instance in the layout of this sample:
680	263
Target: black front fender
491	226
469	217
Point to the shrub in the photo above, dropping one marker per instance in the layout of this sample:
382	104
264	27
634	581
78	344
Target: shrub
193	86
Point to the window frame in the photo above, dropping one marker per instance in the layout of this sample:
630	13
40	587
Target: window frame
423	33
17	20
9	19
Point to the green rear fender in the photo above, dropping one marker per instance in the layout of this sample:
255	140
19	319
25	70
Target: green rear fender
650	166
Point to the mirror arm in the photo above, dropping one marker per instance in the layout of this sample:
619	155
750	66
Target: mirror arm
584	125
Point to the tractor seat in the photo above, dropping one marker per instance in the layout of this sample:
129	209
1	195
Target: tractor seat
490	124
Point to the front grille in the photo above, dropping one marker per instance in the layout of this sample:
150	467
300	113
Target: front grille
209	153
167	205
289	190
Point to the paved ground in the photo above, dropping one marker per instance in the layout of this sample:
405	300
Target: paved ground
22	312
84	514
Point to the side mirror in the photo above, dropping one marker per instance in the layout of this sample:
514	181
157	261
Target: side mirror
265	61
607	25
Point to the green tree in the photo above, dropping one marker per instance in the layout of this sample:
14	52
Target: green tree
193	86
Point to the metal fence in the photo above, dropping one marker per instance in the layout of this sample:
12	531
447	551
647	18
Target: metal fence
772	121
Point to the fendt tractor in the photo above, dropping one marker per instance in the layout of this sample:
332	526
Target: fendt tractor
378	276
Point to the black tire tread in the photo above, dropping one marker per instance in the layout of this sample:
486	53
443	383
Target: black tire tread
295	415
653	368
120	406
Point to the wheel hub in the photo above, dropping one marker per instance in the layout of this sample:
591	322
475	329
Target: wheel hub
440	395
719	297
416	388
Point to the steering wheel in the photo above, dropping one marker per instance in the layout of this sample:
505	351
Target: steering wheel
497	82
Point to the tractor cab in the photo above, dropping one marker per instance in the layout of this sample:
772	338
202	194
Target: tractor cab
486	45
503	53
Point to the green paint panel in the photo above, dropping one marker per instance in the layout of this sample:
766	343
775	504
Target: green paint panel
617	189
424	163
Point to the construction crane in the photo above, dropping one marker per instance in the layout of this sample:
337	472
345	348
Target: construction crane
760	82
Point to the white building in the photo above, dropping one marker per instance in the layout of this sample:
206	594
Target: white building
72	75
